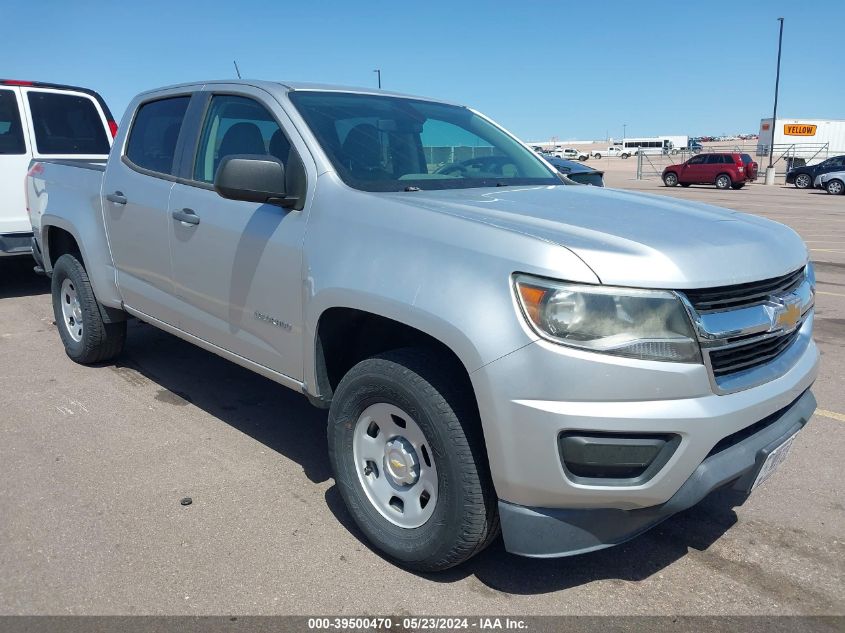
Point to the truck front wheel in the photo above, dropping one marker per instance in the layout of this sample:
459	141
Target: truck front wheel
406	449
86	337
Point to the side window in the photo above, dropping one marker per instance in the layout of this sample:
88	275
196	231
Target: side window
11	130
152	139
66	124
237	125
697	160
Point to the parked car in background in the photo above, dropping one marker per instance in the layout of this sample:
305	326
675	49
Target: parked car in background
833	182
496	350
804	176
572	154
726	171
42	120
576	172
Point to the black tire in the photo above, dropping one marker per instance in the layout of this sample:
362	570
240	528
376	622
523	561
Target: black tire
670	179
835	187
738	185
597	155
723	181
803	181
99	341
465	519
625	155
685	184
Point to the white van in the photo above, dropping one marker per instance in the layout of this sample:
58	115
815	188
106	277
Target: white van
40	120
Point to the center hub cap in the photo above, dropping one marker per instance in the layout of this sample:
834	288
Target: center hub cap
400	462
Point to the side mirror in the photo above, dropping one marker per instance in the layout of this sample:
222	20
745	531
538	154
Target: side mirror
253	178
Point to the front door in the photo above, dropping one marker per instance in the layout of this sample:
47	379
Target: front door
237	266
136	194
693	170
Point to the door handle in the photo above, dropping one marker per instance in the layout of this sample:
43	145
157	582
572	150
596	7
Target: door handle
117	197
188	216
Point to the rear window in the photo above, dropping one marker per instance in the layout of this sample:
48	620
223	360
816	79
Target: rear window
152	140
746	158
66	124
11	131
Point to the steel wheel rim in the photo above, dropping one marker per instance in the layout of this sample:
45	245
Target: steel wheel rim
71	310
395	465
671	180
722	182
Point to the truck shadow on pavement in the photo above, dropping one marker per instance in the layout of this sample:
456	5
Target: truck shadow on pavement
285	422
19	279
279	418
697	528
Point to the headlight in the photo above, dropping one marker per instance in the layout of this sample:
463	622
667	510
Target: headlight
645	324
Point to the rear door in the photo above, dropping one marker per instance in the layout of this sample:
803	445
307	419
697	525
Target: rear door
136	193
15	154
714	164
237	270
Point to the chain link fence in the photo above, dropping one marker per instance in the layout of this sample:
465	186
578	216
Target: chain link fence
784	157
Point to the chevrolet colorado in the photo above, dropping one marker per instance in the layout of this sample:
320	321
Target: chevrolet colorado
497	350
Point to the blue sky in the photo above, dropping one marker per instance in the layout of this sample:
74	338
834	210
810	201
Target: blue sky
565	69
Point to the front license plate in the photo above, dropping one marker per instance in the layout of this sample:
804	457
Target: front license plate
774	459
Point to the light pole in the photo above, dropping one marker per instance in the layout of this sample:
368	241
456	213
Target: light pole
770	170
624	128
378	72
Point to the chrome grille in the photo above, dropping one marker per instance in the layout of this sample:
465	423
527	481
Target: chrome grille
741	295
745	356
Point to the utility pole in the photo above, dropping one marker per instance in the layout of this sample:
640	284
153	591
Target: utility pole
624	129
378	72
770	170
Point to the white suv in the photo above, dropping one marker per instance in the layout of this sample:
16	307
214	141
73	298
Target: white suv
39	120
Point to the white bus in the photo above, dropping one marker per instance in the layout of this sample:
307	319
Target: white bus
647	145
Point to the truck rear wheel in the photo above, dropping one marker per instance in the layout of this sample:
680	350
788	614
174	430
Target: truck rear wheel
86	337
406	449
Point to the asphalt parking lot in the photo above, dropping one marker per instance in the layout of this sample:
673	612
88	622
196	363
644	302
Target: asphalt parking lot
95	461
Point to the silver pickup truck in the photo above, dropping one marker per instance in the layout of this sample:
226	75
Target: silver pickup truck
497	349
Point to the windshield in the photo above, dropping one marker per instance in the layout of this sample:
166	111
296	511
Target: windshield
381	143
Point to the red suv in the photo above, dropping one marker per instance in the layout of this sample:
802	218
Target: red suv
724	170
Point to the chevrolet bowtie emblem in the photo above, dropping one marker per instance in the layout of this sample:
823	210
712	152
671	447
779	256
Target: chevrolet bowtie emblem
788	317
397	464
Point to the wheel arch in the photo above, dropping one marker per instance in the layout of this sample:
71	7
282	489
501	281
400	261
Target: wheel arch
345	335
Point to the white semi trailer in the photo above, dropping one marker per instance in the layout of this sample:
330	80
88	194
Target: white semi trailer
810	139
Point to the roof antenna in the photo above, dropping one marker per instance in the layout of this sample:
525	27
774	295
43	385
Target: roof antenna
237	70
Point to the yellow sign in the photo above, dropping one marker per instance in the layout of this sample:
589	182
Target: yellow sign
799	129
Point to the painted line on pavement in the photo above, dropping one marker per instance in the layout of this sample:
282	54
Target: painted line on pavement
833	415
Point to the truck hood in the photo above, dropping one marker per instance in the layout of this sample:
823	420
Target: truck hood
632	239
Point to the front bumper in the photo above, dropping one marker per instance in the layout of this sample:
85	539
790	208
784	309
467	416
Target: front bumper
547	532
12	244
530	397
